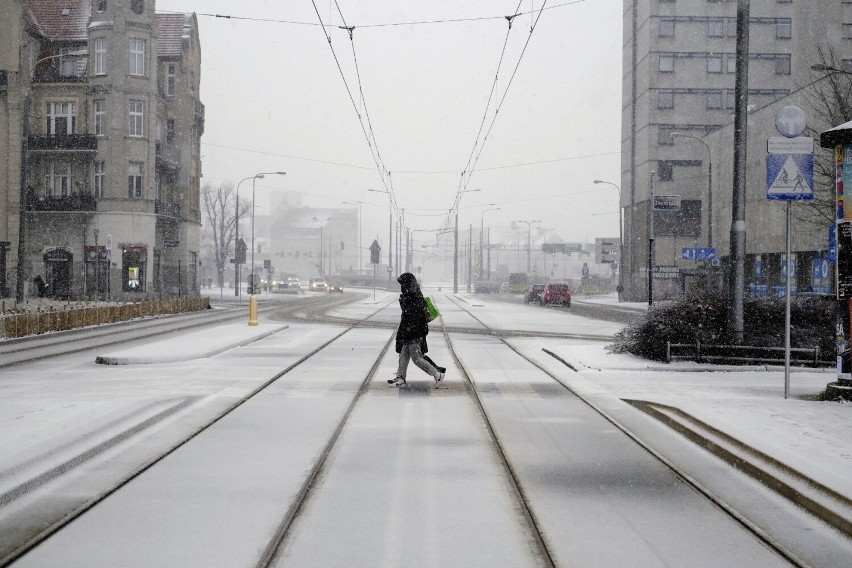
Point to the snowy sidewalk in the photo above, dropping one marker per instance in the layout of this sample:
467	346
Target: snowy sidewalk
194	345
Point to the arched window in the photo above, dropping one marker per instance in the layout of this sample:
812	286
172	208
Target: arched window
100	5
137	6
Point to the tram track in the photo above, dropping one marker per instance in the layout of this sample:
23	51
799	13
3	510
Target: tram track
11	554
690	480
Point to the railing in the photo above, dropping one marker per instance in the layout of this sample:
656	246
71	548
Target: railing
166	208
742	354
79	202
74	317
168	155
67	143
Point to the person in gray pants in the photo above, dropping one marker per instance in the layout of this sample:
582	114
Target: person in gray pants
412	331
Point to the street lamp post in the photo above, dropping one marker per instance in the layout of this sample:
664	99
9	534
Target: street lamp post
321	220
529	233
481	235
456	244
25	165
237	289
360	252
620	235
709	184
253	283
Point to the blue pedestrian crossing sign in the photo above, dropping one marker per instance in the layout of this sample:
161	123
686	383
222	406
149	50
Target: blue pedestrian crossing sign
790	169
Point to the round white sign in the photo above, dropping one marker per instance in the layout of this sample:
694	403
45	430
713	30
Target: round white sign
790	121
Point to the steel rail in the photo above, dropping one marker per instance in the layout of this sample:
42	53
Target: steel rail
16	552
696	485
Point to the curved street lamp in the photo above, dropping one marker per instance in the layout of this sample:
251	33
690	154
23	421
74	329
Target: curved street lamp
620	233
529	233
253	283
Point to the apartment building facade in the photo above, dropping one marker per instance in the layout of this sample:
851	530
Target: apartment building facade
678	88
103	119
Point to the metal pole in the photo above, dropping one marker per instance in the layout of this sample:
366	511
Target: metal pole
469	255
390	240
22	214
489	253
481	235
736	288
651	244
529	247
787	303
709	198
252	283
456	256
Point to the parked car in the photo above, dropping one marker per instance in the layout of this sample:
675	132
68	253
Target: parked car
504	288
533	293
335	286
317	284
556	293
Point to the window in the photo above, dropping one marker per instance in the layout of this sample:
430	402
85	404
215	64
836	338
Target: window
666	63
58	179
136	115
137	6
667	27
100	5
714	100
714	63
100	172
60	119
847	31
664	137
685	221
665	171
731	64
783	29
134	180
67	63
730	99
100	56
137	56
665	99
100	117
170	131
714	27
732	27
782	65
171	69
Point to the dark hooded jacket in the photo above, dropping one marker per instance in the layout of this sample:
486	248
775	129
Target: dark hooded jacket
413	324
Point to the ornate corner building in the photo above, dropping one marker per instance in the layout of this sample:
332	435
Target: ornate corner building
100	124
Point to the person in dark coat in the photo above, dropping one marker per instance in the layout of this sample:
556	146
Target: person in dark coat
412	331
41	286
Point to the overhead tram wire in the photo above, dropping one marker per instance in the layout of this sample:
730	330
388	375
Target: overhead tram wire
351	30
383	172
505	93
385	25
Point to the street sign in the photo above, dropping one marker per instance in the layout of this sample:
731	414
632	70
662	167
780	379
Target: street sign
585	269
375	251
698	253
666	202
790	168
607	250
666	272
108	246
171	244
790	121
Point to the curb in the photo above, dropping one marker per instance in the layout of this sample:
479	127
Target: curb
108	360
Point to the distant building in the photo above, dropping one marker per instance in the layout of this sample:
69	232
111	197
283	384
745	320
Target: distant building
679	70
110	157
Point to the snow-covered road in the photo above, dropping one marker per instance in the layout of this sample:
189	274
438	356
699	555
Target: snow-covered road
414	478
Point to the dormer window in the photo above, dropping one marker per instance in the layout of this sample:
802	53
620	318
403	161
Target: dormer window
137	6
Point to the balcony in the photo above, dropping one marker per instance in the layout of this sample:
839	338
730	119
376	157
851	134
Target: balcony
168	156
76	202
167	209
87	143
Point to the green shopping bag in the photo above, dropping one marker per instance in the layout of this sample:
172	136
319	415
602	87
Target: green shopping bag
431	311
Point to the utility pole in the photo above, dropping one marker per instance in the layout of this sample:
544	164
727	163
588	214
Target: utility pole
736	286
651	243
456	256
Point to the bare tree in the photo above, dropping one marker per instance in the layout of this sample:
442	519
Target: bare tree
220	223
828	99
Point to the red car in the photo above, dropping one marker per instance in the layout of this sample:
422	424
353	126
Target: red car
556	293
